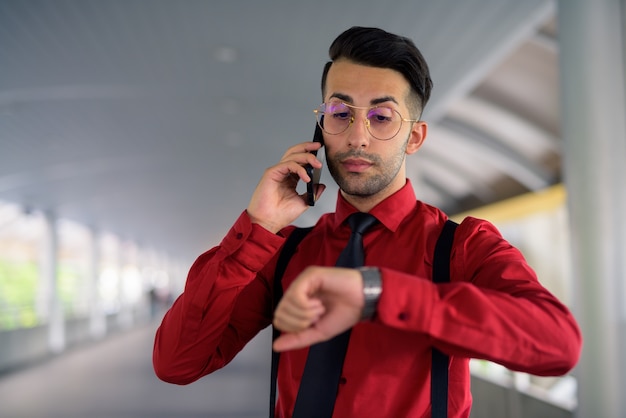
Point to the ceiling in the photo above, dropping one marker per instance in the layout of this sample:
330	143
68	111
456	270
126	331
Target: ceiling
154	119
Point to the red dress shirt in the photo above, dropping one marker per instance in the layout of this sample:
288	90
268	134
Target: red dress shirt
494	308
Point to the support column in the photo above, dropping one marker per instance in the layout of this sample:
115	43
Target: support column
97	318
591	45
54	307
124	316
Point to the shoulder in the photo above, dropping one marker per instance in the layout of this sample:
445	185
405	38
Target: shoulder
473	231
479	246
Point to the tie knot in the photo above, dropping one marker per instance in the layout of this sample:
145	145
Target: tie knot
359	222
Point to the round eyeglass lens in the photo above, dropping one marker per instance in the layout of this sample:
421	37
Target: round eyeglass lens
334	117
383	122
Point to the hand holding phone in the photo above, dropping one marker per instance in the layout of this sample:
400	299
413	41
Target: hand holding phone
314	173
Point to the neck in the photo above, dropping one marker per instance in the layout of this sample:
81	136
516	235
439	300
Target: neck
367	203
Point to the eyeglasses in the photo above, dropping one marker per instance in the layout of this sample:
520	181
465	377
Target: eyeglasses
382	122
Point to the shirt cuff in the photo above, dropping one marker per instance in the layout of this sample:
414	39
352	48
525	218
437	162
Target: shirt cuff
250	244
407	302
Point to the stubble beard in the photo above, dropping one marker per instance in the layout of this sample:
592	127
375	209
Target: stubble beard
366	184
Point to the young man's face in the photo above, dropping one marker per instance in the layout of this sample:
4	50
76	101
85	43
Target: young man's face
360	164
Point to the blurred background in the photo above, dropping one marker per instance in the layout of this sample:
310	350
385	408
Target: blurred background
133	132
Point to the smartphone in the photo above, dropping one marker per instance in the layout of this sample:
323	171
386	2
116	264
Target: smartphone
314	173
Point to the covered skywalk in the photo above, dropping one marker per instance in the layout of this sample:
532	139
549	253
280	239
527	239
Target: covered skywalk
132	133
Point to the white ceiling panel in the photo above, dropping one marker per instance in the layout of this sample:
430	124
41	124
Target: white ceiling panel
154	119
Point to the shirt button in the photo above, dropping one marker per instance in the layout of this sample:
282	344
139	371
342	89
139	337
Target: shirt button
239	235
403	316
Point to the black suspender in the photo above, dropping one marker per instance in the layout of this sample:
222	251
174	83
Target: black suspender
283	259
441	274
439	371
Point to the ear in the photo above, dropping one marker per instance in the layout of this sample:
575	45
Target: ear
419	130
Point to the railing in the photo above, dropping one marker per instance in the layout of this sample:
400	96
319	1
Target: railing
500	392
15	316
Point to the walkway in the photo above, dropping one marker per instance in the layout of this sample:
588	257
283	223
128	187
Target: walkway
114	379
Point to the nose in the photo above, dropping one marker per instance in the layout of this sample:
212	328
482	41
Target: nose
359	135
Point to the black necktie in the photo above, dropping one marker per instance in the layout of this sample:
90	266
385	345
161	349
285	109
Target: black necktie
318	387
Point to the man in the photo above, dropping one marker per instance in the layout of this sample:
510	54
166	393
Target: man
374	89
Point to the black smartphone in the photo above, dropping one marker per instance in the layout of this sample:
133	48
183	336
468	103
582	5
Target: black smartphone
314	173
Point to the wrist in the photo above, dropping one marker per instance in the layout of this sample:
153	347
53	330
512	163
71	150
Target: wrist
271	227
372	289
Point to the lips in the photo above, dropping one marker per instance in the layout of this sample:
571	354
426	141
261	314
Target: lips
356	165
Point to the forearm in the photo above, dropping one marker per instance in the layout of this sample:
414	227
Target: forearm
185	346
528	331
196	335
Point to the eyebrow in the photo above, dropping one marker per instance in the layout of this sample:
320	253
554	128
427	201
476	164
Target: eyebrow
348	99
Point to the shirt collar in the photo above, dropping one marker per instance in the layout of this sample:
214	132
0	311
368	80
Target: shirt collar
390	212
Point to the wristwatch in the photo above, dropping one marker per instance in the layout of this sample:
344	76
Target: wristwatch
372	288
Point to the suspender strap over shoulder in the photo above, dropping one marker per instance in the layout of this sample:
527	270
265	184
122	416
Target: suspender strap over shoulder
281	265
439	372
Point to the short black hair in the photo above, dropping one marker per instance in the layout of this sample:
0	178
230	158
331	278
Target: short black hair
377	48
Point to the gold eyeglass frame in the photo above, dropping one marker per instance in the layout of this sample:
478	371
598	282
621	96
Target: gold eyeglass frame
366	121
